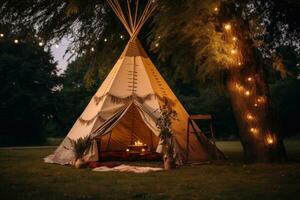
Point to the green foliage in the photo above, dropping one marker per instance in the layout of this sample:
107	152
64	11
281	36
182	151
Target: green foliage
164	123
80	145
28	78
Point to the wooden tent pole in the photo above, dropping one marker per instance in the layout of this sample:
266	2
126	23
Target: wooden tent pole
136	13
130	16
187	139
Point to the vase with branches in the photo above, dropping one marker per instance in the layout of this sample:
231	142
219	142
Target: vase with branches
164	123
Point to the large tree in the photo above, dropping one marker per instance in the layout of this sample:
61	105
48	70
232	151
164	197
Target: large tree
235	43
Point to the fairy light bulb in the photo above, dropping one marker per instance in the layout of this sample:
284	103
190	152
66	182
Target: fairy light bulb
270	140
156	45
105	39
250	117
1	35
16	41
234	38
92	49
239	63
73	51
56	46
216	9
249	79
41	44
255	105
247	93
254	130
227	27
122	37
233	51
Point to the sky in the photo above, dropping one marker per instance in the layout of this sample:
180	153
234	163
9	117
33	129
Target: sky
59	54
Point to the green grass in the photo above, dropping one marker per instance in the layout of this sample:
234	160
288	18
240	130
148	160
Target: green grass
24	176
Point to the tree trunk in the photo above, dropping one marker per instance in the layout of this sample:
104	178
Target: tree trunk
249	94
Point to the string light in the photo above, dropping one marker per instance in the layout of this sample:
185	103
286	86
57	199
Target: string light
270	140
261	100
227	27
255	105
156	45
92	49
233	51
1	35
159	37
127	150
249	79
41	44
105	39
239	63
216	9
254	130
56	46
16	41
250	117
122	37
234	38
247	93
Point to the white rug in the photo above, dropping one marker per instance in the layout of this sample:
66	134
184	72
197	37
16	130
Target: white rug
128	168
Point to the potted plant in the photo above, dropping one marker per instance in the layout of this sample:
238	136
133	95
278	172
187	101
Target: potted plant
164	123
79	146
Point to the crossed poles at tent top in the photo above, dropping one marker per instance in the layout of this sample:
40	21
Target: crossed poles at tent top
131	20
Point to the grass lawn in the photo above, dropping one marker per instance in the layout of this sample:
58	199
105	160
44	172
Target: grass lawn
24	176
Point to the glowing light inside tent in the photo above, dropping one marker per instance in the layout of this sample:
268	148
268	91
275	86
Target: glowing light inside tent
138	143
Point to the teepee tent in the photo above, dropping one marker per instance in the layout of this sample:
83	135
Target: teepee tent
128	103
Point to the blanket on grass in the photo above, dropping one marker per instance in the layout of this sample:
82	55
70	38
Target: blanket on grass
128	168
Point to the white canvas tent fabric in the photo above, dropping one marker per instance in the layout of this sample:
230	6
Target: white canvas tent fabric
127	105
125	108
